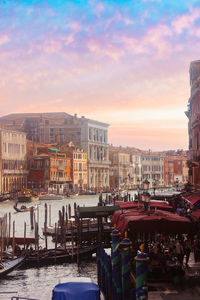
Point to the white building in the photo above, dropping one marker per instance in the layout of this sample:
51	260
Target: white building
153	168
13	166
93	137
136	169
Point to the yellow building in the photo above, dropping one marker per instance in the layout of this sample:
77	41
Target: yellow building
13	164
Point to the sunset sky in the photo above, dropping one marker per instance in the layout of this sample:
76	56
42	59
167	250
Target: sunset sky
125	63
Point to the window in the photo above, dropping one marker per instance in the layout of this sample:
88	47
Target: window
23	149
4	147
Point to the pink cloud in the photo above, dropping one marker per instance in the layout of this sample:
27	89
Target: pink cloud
185	21
4	39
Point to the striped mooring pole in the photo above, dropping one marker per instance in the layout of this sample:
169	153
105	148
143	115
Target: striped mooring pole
141	275
126	268
116	266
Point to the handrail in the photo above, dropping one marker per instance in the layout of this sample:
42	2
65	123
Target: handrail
20	298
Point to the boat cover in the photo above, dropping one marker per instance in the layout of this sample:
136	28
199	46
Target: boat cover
150	221
76	291
153	204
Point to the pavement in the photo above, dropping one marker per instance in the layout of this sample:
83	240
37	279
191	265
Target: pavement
188	290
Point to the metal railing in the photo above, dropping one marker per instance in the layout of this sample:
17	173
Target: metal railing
22	298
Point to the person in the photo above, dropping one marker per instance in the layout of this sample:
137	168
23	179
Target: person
187	249
179	251
17	250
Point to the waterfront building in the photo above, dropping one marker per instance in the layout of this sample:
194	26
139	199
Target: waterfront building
193	114
50	170
169	170
136	169
13	164
62	128
153	168
93	137
120	169
79	166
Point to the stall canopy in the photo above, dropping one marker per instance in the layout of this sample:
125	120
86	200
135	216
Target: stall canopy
194	199
97	211
150	221
195	215
153	204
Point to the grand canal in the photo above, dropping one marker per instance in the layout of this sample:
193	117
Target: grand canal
37	283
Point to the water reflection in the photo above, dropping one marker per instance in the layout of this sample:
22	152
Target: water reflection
38	283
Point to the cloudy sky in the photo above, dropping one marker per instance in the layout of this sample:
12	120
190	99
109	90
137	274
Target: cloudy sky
125	63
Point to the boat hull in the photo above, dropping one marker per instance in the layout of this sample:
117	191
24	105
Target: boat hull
10	265
50	257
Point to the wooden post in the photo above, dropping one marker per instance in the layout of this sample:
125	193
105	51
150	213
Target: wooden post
49	215
69	211
72	236
66	217
1	224
9	227
74	208
78	241
35	238
45	214
25	236
55	240
13	241
45	233
31	217
38	215
61	227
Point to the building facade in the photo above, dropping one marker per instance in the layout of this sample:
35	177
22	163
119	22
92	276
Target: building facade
79	172
193	114
120	169
153	168
136	169
13	161
61	128
51	170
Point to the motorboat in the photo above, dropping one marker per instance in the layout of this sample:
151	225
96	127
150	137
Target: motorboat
50	197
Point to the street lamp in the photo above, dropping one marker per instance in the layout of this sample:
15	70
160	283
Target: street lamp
146	196
154	187
138	188
146	184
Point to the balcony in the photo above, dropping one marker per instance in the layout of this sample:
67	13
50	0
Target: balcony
61	168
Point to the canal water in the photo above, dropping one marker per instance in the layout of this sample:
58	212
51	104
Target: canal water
37	283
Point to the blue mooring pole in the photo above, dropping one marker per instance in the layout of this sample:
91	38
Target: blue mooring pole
116	267
126	268
141	275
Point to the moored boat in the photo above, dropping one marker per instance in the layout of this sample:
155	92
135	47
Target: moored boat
46	257
23	208
26	195
50	197
8	266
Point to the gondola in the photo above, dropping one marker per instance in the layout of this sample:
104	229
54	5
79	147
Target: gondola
8	266
23	208
51	256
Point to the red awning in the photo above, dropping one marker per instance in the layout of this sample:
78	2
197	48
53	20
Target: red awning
153	204
193	198
150	221
195	215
